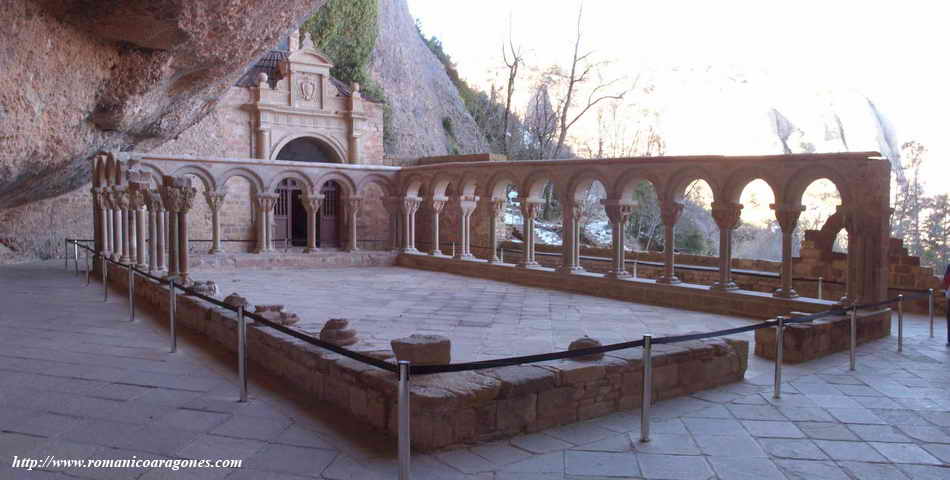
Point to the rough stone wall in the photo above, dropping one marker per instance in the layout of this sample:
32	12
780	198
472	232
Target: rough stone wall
418	90
372	225
237	217
225	132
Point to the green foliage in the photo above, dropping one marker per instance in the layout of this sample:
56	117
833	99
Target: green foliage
345	30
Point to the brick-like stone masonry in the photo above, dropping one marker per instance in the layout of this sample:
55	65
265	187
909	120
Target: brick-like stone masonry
462	407
808	341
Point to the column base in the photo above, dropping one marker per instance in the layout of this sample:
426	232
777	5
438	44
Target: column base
141	266
411	250
125	260
437	253
720	287
668	280
351	250
467	256
528	265
215	251
782	293
619	275
311	250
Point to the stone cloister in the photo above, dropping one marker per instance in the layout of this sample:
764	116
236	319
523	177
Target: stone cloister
142	196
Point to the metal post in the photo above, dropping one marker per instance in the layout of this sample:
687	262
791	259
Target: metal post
105	278
404	437
90	261
131	293
66	253
453	249
646	395
900	323
501	258
930	306
76	256
779	355
819	287
242	352
635	264
854	334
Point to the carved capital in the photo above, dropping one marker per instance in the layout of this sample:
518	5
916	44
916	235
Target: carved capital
670	212
353	204
787	215
617	211
153	201
467	204
178	194
266	201
120	197
531	209
311	202
438	204
411	204
727	215
215	200
105	197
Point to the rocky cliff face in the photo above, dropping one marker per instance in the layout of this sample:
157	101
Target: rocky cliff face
78	76
427	114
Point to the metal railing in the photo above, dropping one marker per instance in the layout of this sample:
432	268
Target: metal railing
405	370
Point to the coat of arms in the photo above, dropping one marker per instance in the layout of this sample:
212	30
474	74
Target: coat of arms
308	89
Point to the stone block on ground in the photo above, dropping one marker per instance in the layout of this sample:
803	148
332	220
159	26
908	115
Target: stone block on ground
423	349
335	332
586	342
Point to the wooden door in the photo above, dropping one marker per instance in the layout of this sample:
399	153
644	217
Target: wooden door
283	213
329	215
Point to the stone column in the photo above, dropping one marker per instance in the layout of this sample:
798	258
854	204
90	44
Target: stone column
467	205
105	201
153	204
727	216
122	201
569	242
178	195
116	225
140	232
437	205
311	203
96	220
618	213
353	205
496	208
409	207
161	236
670	212
787	216
265	207
852	282
215	201
529	212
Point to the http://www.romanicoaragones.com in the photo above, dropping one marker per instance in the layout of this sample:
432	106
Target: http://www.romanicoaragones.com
50	462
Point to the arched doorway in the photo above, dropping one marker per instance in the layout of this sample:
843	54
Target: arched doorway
308	149
290	216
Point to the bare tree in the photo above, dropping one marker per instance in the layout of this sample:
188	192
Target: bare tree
513	63
583	69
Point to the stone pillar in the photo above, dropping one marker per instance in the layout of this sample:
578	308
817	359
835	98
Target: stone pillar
467	205
215	201
437	205
140	236
161	237
265	209
153	204
311	203
96	219
727	216
569	260
178	195
496	209
618	213
116	225
105	201
787	216
409	207
529	212
352	206
122	200
852	282
670	212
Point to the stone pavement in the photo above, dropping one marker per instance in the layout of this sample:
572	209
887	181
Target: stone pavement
480	316
78	381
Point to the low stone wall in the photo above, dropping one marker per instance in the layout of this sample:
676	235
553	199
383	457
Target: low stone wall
808	341
453	408
290	260
687	296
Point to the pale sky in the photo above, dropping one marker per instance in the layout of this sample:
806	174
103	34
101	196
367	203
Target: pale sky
719	66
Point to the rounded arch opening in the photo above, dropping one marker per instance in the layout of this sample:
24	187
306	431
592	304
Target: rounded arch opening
758	235
308	149
696	231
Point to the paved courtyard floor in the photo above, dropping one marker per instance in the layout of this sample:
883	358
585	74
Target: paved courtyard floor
480	316
79	381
